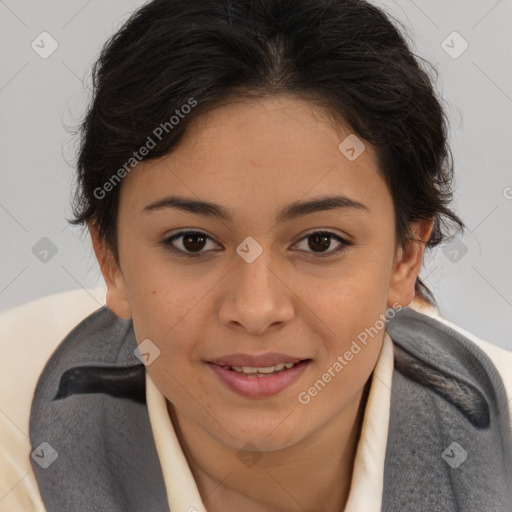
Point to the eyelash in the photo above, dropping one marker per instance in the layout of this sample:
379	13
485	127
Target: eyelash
167	243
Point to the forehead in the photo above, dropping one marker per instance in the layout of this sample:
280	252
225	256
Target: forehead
288	128
267	150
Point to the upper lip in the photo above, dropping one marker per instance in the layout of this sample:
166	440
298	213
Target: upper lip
256	361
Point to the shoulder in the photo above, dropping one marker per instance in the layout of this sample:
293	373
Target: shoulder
499	356
29	334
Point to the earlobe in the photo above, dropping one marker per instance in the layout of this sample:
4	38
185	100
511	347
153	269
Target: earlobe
407	265
118	303
116	299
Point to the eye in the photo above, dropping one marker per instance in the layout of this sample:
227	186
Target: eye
191	244
320	241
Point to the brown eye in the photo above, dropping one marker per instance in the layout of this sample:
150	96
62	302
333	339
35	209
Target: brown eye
320	241
191	245
194	242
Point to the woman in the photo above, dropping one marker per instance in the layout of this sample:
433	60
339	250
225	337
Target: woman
260	180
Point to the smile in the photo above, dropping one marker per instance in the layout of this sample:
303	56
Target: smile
259	381
260	372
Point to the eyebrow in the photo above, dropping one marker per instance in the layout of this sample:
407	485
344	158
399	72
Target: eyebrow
289	212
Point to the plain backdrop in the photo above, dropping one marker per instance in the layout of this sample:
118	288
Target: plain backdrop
468	42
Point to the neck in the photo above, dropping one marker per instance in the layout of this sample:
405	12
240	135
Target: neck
313	474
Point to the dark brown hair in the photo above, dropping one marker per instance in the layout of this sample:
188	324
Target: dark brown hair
345	55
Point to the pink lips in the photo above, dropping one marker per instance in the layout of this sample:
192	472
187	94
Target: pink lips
255	386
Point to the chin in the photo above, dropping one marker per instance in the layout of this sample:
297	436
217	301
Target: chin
275	434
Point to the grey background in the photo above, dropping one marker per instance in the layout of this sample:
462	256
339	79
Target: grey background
39	98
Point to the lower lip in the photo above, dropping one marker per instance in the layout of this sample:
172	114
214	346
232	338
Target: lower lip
259	387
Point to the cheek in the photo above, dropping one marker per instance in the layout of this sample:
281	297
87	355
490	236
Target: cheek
354	312
352	344
161	296
351	298
367	279
167	317
175	370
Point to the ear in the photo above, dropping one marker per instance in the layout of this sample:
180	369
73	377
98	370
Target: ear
117	300
407	265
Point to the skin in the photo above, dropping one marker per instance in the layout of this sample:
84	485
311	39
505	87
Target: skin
254	157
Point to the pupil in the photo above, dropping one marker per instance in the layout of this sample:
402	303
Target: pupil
188	242
320	240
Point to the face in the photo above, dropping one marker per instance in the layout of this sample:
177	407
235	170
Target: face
259	278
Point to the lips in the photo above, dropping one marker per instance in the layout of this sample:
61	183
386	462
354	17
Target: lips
260	376
256	361
259	386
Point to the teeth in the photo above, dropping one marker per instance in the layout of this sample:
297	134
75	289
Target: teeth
248	370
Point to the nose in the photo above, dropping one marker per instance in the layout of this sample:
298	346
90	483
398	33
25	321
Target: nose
257	298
